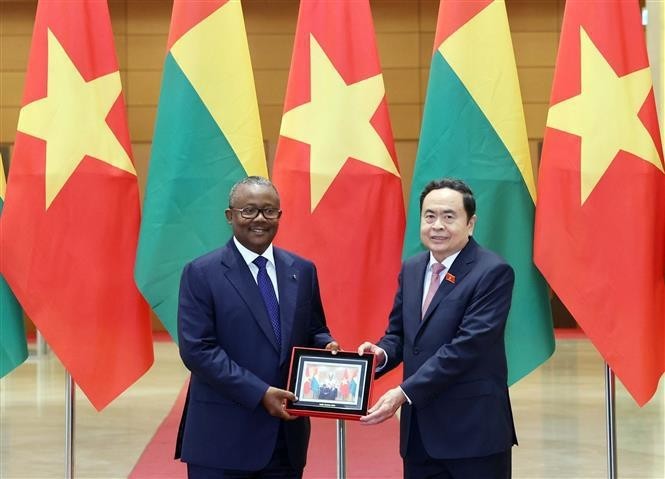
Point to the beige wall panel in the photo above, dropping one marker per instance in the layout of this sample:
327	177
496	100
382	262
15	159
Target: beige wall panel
14	51
118	11
271	86
17	18
270	16
11	88
423	78
8	122
406	121
123	82
146	52
536	116
535	158
533	16
395	16
148	18
402	85
141	153
429	11
142	87
406	157
398	50
425	48
536	84
535	49
270	51
121	51
141	121
271	119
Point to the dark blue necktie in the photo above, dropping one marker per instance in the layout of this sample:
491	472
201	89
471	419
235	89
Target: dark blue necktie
269	296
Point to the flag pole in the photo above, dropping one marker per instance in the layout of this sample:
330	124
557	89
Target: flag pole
70	392
41	346
610	410
341	449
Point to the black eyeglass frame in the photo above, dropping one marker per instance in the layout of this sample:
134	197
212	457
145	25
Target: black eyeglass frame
244	214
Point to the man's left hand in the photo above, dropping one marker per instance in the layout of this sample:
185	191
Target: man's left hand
385	407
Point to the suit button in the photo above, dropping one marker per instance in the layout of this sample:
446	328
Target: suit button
416	351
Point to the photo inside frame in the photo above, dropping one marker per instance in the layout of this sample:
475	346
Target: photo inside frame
327	384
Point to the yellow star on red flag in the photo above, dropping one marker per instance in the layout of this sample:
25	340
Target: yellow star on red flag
605	115
336	123
72	120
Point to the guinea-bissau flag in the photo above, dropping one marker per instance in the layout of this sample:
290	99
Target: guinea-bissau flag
473	129
600	221
337	173
71	216
13	346
207	137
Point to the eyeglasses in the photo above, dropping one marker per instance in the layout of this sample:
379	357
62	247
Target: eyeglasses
251	212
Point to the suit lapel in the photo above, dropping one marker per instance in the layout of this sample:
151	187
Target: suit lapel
413	296
287	283
241	278
459	269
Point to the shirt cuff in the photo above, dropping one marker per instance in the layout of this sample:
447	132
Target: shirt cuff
408	399
385	360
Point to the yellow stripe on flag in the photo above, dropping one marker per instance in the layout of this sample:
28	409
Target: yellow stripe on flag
481	54
3	182
214	57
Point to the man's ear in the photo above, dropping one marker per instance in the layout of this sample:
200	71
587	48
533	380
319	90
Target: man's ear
229	214
472	224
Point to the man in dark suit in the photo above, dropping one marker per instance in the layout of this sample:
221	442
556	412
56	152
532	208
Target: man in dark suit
447	326
238	319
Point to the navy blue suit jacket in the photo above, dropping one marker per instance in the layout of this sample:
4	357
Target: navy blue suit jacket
227	342
455	370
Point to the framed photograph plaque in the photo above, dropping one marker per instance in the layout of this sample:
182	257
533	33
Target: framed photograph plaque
335	386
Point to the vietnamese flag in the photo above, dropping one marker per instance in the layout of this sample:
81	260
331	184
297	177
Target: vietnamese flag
336	170
71	214
600	221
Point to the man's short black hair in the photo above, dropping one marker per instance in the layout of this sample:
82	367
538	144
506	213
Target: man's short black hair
456	185
250	180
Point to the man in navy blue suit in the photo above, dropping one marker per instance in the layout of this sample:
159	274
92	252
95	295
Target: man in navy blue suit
238	319
447	326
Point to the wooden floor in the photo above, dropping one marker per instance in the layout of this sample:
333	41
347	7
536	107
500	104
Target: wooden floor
559	411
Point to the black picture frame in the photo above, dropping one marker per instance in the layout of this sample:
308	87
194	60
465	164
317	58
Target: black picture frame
337	386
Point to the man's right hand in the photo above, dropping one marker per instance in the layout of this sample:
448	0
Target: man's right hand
274	400
371	348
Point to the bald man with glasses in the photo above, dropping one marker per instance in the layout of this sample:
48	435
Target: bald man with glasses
242	308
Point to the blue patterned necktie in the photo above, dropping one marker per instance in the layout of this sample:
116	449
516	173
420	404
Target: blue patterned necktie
269	296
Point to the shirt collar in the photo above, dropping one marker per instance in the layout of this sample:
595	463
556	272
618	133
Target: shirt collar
447	262
249	256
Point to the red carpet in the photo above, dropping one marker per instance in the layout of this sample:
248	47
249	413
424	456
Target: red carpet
157	461
371	452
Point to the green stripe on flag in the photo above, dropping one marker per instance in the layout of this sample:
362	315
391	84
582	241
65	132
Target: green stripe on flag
458	141
192	169
13	346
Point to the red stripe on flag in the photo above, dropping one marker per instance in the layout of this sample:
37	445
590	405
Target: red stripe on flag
188	13
453	14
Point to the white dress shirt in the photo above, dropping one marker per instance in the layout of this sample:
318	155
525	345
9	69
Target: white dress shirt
249	257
